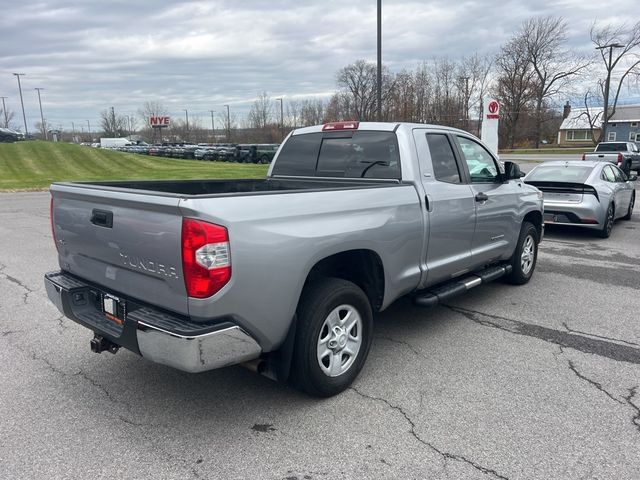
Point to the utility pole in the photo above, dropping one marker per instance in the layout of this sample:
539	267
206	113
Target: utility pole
281	119
4	109
213	126
186	114
228	124
379	75
44	125
466	102
73	132
606	86
89	130
24	117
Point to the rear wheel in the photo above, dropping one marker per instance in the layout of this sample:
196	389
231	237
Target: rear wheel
264	159
333	336
631	204
605	232
523	261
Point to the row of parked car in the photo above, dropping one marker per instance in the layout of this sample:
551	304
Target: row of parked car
227	152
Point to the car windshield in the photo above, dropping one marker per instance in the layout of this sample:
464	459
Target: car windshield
560	173
612	147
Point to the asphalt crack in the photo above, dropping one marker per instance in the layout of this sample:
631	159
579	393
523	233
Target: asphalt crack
597	385
564	324
629	399
576	341
446	456
18	282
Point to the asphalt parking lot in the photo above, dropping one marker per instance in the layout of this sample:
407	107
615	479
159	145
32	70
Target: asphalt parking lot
539	381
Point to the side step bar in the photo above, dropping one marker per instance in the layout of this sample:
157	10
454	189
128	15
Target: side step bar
439	294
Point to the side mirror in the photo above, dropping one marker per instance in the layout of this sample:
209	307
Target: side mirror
512	171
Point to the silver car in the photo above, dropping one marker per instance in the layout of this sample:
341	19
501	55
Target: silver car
585	194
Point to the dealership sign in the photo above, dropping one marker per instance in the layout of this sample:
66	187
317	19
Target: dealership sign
491	116
159	122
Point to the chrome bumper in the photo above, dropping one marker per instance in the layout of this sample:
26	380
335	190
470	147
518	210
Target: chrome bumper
196	353
156	335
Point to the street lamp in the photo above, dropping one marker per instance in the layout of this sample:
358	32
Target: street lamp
24	117
4	109
281	119
89	131
466	102
186	114
379	75
228	124
606	85
44	125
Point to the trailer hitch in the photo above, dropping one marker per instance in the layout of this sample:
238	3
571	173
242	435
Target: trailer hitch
100	344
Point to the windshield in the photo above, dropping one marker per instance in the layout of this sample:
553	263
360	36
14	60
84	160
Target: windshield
560	173
612	147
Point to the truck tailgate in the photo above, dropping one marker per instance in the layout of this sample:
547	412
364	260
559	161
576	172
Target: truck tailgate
129	243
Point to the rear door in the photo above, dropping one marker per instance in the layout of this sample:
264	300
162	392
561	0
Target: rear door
496	202
128	243
449	207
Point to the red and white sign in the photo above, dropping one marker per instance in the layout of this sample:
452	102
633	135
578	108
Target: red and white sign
493	109
159	122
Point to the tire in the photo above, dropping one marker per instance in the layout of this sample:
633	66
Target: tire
631	204
333	336
605	232
264	159
525	256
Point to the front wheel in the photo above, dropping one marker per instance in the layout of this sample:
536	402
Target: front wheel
333	336
523	261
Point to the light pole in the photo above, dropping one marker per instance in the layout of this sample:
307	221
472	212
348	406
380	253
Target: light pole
606	85
73	132
24	117
186	115
281	119
213	126
466	102
89	130
228	124
4	109
44	125
379	75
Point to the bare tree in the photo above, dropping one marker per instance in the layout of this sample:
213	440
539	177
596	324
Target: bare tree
554	66
357	83
6	118
514	85
113	125
261	112
594	117
627	57
151	109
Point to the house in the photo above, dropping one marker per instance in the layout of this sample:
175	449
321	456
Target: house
624	125
580	127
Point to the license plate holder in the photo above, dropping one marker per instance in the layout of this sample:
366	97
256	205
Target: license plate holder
114	308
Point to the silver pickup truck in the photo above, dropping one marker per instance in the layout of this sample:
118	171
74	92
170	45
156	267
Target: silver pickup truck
625	155
285	274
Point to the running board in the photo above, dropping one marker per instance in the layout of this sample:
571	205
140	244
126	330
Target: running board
432	297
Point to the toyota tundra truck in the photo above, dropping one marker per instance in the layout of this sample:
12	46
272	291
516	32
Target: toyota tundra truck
625	155
285	274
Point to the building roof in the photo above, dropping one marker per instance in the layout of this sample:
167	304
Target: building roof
626	113
578	119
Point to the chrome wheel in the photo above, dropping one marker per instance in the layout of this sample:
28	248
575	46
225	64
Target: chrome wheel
339	340
528	254
609	221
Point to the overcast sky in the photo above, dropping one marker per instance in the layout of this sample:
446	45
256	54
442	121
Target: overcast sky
89	55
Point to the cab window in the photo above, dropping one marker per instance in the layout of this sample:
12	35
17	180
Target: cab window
482	167
445	168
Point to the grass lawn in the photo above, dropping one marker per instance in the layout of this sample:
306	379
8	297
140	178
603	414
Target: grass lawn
36	164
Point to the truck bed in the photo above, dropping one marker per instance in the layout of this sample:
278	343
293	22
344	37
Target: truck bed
206	187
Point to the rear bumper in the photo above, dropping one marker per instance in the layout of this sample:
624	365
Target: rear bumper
156	335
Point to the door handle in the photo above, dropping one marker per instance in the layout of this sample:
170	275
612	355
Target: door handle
482	197
102	218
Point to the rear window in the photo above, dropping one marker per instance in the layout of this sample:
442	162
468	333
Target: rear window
366	154
569	173
612	147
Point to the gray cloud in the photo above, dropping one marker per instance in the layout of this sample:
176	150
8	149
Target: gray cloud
200	55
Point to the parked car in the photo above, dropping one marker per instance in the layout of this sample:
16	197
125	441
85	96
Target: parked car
625	155
585	194
287	272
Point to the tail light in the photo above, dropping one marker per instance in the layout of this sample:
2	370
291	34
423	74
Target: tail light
53	225
206	257
584	157
620	159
